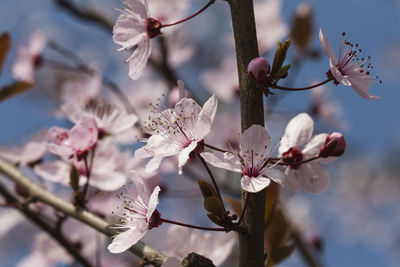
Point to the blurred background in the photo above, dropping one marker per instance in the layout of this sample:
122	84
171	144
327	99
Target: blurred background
357	219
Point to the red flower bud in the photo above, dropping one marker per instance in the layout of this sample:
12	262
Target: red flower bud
335	144
258	69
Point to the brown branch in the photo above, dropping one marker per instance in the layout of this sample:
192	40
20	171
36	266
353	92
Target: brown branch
140	249
251	241
36	219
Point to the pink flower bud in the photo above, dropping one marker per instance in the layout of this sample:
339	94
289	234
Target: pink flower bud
258	69
335	144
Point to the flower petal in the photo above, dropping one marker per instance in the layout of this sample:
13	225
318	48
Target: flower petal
313	177
184	155
291	182
361	85
125	240
297	133
326	46
229	162
205	118
254	184
138	59
153	202
314	145
274	174
255	145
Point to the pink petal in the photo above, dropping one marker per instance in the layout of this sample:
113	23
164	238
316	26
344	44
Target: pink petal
256	139
291	182
229	162
205	118
361	86
153	202
125	240
326	46
254	184
138	7
138	60
275	175
314	145
298	132
184	155
313	177
128	31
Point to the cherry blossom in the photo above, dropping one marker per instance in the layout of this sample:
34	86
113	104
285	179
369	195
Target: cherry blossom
108	172
348	70
29	153
75	142
251	162
269	24
310	176
178	131
109	119
29	58
181	241
139	215
223	81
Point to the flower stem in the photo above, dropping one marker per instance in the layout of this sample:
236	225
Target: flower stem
216	148
294	163
190	17
193	226
301	88
212	178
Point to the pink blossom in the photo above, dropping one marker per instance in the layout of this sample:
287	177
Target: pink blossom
31	152
75	142
108	173
181	241
109	120
310	176
83	90
223	81
348	70
178	131
251	162
28	58
270	27
139	215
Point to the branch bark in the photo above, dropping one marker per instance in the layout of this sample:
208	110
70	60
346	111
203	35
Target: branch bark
251	243
140	249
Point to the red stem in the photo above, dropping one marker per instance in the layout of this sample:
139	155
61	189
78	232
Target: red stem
192	16
193	226
301	88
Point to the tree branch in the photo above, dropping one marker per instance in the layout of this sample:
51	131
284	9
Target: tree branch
251	242
36	219
140	249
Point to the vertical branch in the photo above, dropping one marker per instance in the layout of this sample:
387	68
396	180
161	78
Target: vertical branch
251	242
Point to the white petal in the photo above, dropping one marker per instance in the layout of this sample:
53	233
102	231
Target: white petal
255	139
138	60
274	174
254	184
128	31
54	171
326	46
205	118
313	177
298	132
312	148
125	240
228	162
110	181
139	7
361	86
153	164
153	202
291	182
184	155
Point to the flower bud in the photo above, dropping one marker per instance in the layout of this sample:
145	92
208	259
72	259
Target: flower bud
335	144
258	69
302	26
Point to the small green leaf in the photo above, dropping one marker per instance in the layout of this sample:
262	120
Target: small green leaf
279	58
16	88
214	206
74	178
283	71
4	47
206	189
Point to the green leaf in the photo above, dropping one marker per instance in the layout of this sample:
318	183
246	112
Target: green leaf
279	58
215	219
206	189
16	88
74	178
283	71
4	47
214	206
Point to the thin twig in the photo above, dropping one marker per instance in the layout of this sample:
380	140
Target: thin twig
140	249
36	219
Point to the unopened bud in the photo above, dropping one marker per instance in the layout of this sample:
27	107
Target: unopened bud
258	69
302	26
335	145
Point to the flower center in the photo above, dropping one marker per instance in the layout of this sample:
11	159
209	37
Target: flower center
155	220
293	157
153	27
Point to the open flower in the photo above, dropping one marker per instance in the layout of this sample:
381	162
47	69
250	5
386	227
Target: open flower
28	58
75	142
251	162
139	215
310	176
349	69
178	131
